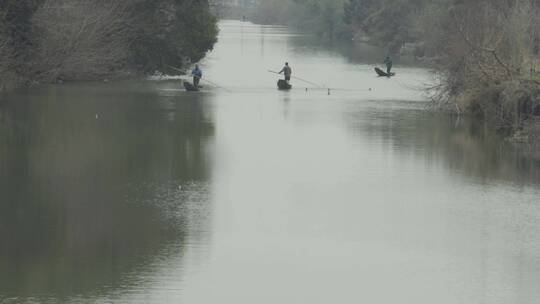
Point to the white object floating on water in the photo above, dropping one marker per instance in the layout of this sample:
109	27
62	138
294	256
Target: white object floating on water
97	116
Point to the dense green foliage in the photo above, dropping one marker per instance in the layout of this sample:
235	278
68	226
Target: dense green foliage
50	40
169	32
15	28
15	21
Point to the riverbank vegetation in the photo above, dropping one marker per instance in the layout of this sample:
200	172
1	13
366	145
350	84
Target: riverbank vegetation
59	40
322	17
485	52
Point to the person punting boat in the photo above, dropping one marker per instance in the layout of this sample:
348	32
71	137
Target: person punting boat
197	75
287	71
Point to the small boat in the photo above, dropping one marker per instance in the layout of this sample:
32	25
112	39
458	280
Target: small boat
382	73
283	85
190	87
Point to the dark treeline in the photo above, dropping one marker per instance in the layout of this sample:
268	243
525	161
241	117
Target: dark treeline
323	17
485	51
52	40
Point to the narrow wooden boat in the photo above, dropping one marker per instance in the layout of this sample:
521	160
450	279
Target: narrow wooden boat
382	73
190	87
283	85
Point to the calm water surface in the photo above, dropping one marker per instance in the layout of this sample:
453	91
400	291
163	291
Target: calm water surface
138	192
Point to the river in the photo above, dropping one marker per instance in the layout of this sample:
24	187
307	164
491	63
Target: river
139	192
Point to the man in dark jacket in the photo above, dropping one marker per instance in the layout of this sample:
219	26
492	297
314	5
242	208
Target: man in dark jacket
287	71
388	63
197	75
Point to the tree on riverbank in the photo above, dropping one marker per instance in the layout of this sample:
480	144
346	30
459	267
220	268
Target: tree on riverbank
485	51
15	40
322	17
48	40
167	32
488	59
388	23
78	39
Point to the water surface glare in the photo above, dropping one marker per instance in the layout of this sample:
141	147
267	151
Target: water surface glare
138	192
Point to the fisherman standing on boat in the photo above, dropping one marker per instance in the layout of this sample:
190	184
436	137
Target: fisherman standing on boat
197	75
388	62
287	71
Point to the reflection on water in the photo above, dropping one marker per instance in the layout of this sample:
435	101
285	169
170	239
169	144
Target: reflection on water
138	192
98	185
467	147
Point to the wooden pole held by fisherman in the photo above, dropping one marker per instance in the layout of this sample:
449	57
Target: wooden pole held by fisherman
203	79
298	78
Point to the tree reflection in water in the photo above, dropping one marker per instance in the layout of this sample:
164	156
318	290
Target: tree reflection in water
96	187
464	145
